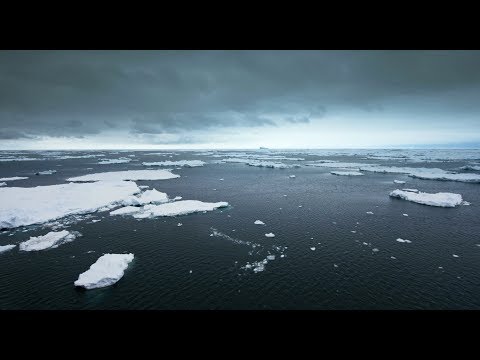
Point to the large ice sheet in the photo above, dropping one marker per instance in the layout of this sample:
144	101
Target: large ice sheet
438	199
26	206
106	271
127	175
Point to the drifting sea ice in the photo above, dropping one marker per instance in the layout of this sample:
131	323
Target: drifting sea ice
403	241
4	248
46	172
186	163
131	175
121	160
182	207
270	235
369	212
346	173
26	206
106	271
14	178
399	182
51	240
437	199
259	222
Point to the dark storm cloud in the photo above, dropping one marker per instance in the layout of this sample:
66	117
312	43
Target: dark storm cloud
78	93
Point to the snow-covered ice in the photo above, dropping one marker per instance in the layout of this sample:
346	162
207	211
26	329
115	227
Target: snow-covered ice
437	199
292	176
51	240
399	182
270	235
403	241
106	271
4	248
185	163
259	222
26	206
405	214
131	175
182	207
13	178
46	172
121	160
312	248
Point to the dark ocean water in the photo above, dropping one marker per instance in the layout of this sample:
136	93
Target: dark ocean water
332	207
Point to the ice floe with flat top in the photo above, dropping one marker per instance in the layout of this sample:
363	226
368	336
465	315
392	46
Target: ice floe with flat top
270	235
13	178
106	271
399	182
147	197
403	241
185	163
51	240
4	248
46	172
438	199
27	206
130	175
346	173
259	222
258	163
122	160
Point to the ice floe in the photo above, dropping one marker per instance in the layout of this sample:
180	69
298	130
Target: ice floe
131	175
270	235
369	212
26	206
46	172
14	178
3	184
185	163
259	222
51	240
127	210
258	163
346	173
399	182
106	271
4	248
405	214
437	199
471	167
292	176
403	241
122	160
312	248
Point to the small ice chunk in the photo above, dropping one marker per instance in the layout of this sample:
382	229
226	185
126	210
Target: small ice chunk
375	250
4	248
179	224
312	248
346	173
51	240
455	256
190	271
292	176
177	198
221	179
353	231
405	214
369	212
259	222
106	271
335	265
299	206
399	182
271	257
403	241
393	257
46	172
270	235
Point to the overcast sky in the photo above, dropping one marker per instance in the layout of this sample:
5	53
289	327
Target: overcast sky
238	99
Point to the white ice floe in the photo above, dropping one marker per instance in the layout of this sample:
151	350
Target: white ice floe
152	197
131	175
456	256
186	163
182	207
271	257
46	172
179	224
177	198
3	184
375	250
121	160
403	241
399	182
292	176
14	178
312	248
437	199
346	173
51	240
4	248
405	214
26	206
270	235
369	212
411	190
259	222
106	271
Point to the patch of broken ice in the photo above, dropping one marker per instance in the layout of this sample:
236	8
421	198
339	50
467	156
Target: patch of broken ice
51	240
185	163
106	271
437	199
131	175
4	248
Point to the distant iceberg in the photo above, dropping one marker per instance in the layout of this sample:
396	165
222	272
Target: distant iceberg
437	199
106	271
